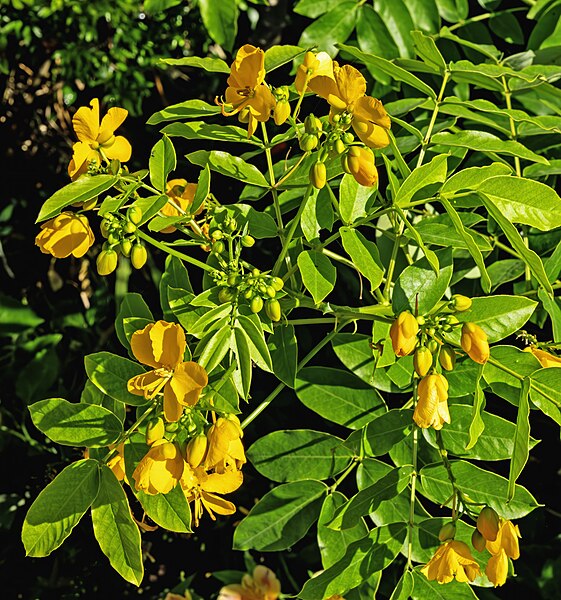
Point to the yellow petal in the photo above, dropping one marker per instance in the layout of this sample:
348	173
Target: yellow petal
141	346
371	109
248	68
223	483
86	122
110	122
120	149
82	155
262	103
187	382
146	384
216	504
351	84
168	343
497	569
172	409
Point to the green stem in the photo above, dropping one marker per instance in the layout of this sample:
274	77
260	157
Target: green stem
270	168
428	135
126	434
414	454
345	473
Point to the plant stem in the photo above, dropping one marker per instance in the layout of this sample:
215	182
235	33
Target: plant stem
414	455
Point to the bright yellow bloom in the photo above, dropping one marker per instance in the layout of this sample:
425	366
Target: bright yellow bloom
246	91
160	469
161	345
544	358
117	462
452	559
474	342
403	333
264	585
362	166
497	568
432	402
97	140
225	448
507	540
181	194
203	488
316	69
66	234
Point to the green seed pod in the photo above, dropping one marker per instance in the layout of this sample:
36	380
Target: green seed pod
273	310
126	247
447	358
447	532
248	241
155	430
106	262
277	283
318	175
129	227
422	361
226	295
138	256
134	214
256	304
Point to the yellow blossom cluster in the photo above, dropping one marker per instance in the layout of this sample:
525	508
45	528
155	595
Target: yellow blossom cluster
262	585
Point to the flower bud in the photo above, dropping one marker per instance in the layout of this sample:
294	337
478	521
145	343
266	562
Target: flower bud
308	142
196	450
474	343
155	430
447	532
460	303
218	247
432	345
125	246
422	361
138	256
281	112
345	164
447	358
248	241
488	524
432	406
106	262
256	304
403	333
273	310
134	214
318	175
129	227
363	167
105	227
277	283
477	541
226	295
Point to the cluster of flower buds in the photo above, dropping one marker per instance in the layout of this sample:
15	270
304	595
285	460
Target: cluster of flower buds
122	238
281	111
500	538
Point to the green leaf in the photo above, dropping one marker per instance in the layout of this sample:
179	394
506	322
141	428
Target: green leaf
284	353
174	277
381	434
404	587
318	214
499	316
482	141
332	27
423	589
93	395
256	340
426	48
162	162
15	316
293	455
412	231
453	10
314	8
199	130
353	199
530	258
370	554
150	206
545	392
202	191
132	305
81	190
481	486
59	507
507	369
338	396
421	177
214	347
170	511
210	64
190	109
110	373
221	21
473	177
397	19
333	544
470	243
228	165
364	255
476	424
277	56
115	529
390	69
281	518
369	498
318	274
72	424
524	201
242	375
419	287
521	439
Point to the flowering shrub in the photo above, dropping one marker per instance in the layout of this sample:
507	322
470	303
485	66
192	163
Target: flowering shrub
410	200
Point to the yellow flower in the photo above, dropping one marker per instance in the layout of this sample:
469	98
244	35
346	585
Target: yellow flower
474	342
497	568
246	91
160	469
345	90
317	70
362	167
117	462
203	488
507	540
97	141
225	448
264	585
432	402
161	345
181	194
452	559
544	358
66	234
403	333
488	523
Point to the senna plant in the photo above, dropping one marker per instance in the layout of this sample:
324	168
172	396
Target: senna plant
410	204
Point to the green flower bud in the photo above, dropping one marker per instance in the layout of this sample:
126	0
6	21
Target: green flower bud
432	345
273	310
226	295
460	303
277	283
348	137
232	280
339	146
271	292
113	238
318	175
218	247
125	247
217	234
105	227
256	304
129	227
447	358
308	142
248	241
138	256
447	532
134	214
106	262
478	541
